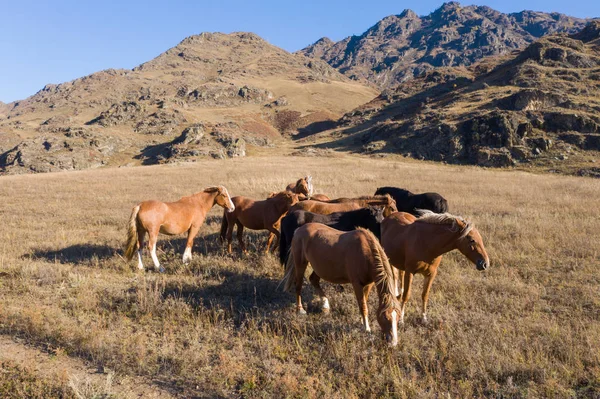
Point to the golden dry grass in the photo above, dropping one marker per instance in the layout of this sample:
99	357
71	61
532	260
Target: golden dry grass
220	327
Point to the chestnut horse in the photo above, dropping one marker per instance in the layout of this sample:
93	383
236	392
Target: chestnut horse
347	204
417	245
172	218
256	215
354	257
302	186
320	197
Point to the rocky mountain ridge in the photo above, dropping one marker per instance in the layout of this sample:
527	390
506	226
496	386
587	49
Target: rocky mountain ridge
400	47
236	86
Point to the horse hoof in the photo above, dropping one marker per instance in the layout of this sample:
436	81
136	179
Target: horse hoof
302	312
161	270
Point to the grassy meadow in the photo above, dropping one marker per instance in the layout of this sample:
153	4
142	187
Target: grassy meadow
221	326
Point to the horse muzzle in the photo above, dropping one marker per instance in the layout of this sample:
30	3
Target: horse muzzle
482	264
231	209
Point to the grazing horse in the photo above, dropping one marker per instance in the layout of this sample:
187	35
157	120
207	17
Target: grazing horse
172	218
347	204
302	186
417	245
368	218
409	202
354	257
256	215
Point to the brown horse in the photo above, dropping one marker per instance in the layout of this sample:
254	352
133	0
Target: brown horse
354	257
256	215
171	218
320	197
417	245
348	204
302	186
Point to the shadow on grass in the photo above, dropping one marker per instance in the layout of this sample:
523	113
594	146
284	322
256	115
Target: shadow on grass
78	253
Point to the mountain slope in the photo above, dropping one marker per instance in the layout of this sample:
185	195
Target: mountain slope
537	107
209	96
400	47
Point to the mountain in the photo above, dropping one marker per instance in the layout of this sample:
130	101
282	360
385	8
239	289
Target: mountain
400	47
210	96
538	107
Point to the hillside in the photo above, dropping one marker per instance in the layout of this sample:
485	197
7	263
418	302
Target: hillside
210	96
538	107
402	46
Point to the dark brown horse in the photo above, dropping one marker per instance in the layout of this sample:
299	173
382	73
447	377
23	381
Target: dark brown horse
355	258
411	203
347	204
256	215
171	218
417	245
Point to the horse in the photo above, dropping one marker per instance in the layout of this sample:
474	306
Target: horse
369	218
409	202
302	186
348	204
320	197
416	245
256	215
354	257
186	214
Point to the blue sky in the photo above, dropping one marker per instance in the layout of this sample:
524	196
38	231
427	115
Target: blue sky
56	41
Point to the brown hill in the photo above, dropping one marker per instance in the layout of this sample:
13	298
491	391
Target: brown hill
209	96
539	106
400	47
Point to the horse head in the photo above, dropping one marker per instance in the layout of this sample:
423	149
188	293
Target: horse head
388	321
223	199
390	207
471	245
304	186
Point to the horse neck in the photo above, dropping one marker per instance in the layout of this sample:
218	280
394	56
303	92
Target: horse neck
205	200
440	238
280	204
384	284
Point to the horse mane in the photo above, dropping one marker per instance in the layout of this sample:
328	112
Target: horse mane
427	216
385	274
212	189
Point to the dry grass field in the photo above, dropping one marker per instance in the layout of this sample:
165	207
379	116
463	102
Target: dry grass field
529	326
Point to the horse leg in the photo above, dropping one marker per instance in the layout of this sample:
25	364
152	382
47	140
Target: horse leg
405	294
425	296
314	280
152	246
273	232
187	254
230	223
240	232
300	267
400	280
359	291
141	233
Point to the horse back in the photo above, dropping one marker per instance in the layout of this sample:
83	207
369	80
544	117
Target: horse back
432	201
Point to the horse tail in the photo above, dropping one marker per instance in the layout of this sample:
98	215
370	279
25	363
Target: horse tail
132	234
385	274
223	226
283	247
288	277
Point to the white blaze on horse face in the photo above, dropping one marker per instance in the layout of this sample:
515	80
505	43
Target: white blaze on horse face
230	205
310	185
187	255
394	329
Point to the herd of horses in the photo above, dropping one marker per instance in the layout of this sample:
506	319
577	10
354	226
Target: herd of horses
380	240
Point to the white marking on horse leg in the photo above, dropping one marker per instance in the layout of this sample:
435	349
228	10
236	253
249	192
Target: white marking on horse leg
394	329
187	255
157	265
300	310
424	318
402	315
366	324
140	263
325	305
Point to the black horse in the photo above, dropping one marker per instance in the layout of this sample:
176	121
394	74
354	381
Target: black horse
409	202
368	218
